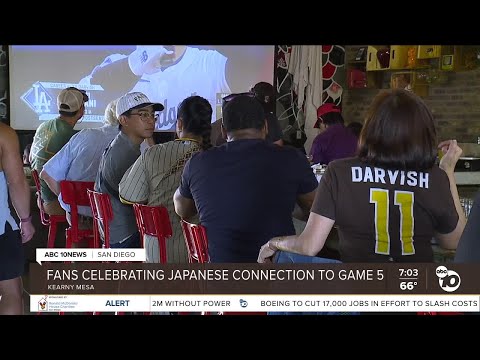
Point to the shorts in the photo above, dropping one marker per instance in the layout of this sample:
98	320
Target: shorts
11	254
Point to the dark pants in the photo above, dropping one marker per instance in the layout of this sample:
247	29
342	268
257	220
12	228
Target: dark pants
132	242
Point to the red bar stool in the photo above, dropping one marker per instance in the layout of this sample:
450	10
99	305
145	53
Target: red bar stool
197	245
196	240
154	221
74	193
48	220
102	215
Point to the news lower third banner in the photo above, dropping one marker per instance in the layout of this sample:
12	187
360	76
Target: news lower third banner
142	287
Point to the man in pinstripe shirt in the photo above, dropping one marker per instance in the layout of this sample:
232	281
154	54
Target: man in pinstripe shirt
156	174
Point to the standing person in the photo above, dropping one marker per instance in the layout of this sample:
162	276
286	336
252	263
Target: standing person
52	135
468	250
246	189
13	183
265	94
166	74
79	160
136	115
392	199
156	174
336	141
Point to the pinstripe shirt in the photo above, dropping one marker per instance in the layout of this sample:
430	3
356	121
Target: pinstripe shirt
150	180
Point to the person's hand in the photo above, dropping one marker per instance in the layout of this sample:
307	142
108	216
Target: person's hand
266	253
451	153
149	59
26	230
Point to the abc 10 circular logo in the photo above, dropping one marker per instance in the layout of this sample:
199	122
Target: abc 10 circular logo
448	280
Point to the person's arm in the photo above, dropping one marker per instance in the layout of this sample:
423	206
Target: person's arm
307	186
115	77
279	142
447	163
184	207
17	183
183	198
58	166
304	202
52	184
309	242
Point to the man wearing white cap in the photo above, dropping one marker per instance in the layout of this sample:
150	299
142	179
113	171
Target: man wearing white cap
136	115
52	135
79	160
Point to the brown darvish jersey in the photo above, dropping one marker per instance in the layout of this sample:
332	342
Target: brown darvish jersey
385	215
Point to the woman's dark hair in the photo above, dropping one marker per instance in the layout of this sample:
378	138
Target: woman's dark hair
399	132
196	114
355	127
332	118
265	93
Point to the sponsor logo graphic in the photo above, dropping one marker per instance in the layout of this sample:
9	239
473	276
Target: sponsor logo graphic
43	304
243	303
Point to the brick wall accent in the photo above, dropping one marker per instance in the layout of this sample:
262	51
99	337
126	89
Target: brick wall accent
454	101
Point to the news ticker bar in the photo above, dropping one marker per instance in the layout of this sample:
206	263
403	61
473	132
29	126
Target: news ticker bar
132	278
58	254
255	303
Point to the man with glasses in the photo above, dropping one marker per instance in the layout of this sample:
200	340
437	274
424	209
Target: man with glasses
136	116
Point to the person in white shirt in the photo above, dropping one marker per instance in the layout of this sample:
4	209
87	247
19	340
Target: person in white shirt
79	160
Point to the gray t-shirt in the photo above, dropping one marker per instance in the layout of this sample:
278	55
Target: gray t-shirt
116	160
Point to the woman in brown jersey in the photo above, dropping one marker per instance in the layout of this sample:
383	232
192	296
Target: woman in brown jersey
390	200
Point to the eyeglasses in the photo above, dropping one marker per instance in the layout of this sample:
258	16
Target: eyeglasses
145	115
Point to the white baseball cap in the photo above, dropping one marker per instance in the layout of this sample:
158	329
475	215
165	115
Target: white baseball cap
133	101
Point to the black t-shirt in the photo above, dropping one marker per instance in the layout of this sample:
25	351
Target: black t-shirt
274	130
385	215
245	192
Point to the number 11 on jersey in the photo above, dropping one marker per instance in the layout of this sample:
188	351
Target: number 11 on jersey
404	200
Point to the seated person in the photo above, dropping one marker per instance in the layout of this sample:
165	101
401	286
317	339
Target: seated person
355	127
468	250
136	116
155	175
246	189
79	160
336	141
392	198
